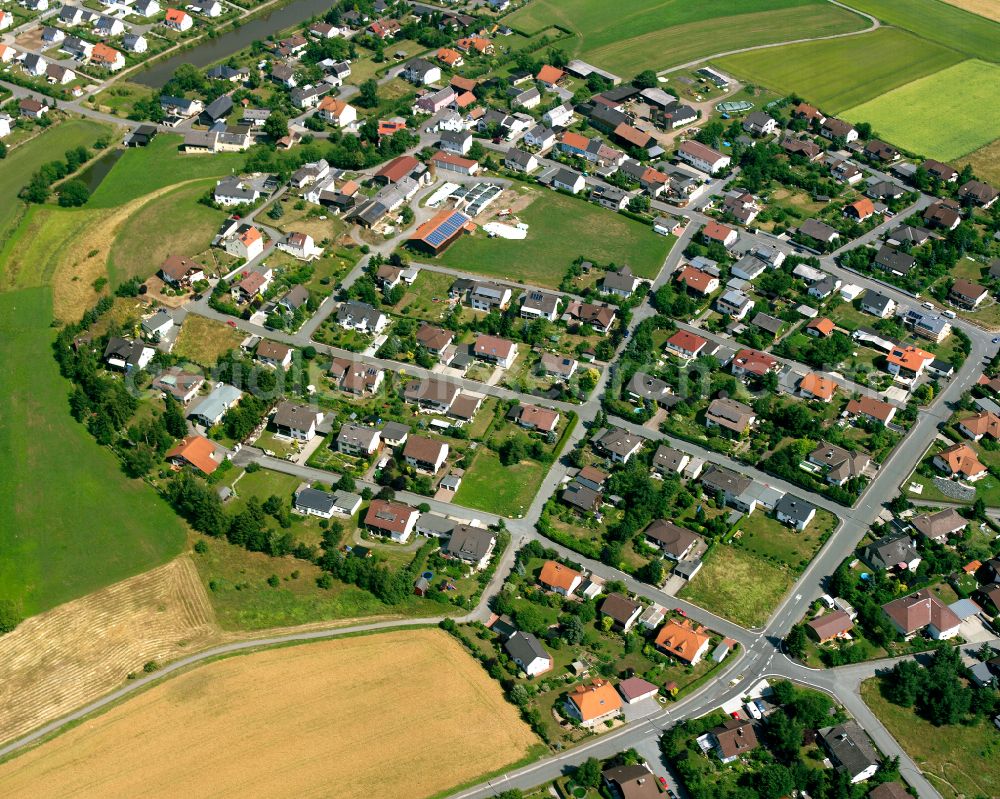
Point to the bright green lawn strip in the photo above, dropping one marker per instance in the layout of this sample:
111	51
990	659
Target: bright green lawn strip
183	226
738	586
910	116
769	539
70	522
493	487
842	73
22	162
560	229
939	22
145	169
30	256
960	760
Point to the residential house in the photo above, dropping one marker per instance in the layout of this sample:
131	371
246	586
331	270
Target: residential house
610	197
985	423
568	180
499	351
794	511
759	123
740	205
860	210
356	377
422	72
960	461
748	363
895	551
722	234
880	151
197	451
725	484
878	304
549	76
820	327
702	157
922	611
253	285
978	193
595	703
558	578
434	339
667	460
539	305
938	526
830	626
431	394
313	502
560	116
457	142
850	750
337	112
624	612
819	231
247	244
686	345
559	366
870	409
729	415
927	325
210	410
907	363
940	171
528	653
735	304
520	161
600	317
893	261
533	417
391	519
273	353
621	283
181	272
178	20
471	545
674	541
158	325
967	294
619	445
683	640
944	214
362	317
426	455
840	465
833	128
295	421
733	738
632	782
182	386
127	355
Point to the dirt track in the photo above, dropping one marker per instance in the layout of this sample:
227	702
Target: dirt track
396	714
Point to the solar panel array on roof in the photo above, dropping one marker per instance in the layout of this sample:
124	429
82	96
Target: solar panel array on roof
446	229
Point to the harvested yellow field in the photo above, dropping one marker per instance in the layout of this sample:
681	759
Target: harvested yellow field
405	713
64	658
984	8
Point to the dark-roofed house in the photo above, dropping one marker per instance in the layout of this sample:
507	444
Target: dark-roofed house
967	294
622	610
730	415
667	460
725	483
794	511
851	751
631	782
893	551
820	231
938	526
297	421
891	260
945	214
431	394
425	454
528	653
620	445
878	304
733	738
355	439
978	193
840	464
674	541
922	610
830	626
472	545
889	790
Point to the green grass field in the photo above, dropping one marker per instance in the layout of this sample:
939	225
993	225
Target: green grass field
654	34
21	163
560	229
504	490
32	252
769	539
843	73
70	522
911	115
737	585
938	22
184	227
959	760
145	169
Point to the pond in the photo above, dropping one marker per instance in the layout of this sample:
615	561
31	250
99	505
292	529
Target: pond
97	171
233	40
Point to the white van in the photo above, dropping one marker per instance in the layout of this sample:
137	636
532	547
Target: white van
948	314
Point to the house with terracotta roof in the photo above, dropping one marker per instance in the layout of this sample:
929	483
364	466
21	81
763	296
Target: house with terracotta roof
870	409
961	461
698	281
593	704
860	210
561	579
907	363
683	640
549	76
248	243
178	20
922	611
717	232
982	424
686	345
391	519
533	417
830	626
479	44
107	57
337	112
753	363
198	452
449	57
821	327
495	350
252	285
815	386
808	113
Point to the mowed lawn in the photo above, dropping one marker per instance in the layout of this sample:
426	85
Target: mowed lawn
183	226
939	22
495	488
966	95
22	162
842	73
959	760
655	34
405	713
560	228
738	586
143	170
70	522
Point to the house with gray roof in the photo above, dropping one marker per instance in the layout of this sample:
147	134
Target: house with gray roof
213	407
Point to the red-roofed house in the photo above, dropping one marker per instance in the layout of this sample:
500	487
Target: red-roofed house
495	350
714	231
753	363
860	210
549	76
697	281
686	345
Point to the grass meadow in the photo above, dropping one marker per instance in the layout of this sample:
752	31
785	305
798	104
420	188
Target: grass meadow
911	116
560	229
493	487
838	74
22	162
72	522
661	33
